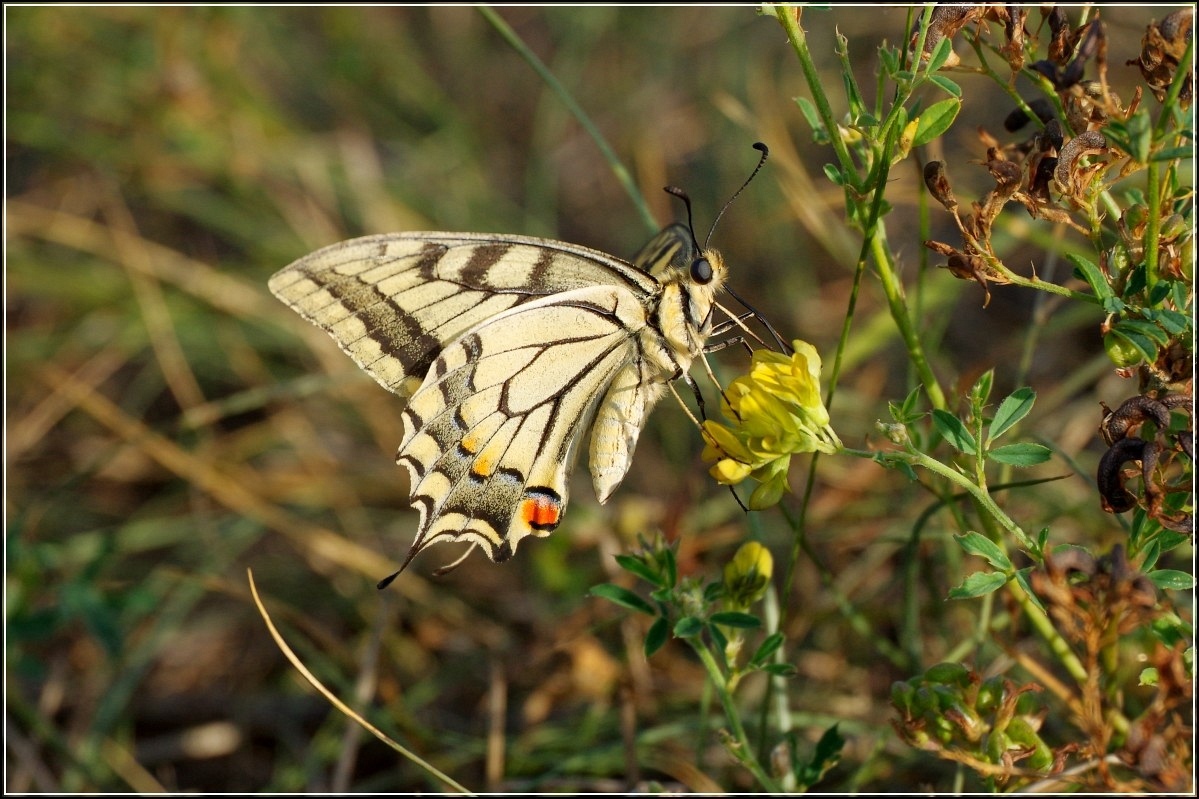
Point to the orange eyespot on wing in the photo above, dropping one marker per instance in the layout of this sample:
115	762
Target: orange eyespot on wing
541	508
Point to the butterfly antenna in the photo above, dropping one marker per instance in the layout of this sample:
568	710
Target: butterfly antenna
765	151
682	195
783	347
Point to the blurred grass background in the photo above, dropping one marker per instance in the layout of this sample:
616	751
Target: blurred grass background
171	425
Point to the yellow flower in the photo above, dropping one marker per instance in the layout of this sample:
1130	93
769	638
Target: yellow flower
775	412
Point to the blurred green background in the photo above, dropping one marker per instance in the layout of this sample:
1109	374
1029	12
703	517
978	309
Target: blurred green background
171	425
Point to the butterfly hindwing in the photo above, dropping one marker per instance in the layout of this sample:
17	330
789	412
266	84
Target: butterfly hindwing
493	431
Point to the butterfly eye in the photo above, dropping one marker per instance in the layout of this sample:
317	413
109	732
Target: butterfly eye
701	271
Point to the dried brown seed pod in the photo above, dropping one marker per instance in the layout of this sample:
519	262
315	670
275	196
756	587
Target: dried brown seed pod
1008	176
1162	49
1092	141
1131	414
947	19
1114	497
1018	119
937	182
1061	43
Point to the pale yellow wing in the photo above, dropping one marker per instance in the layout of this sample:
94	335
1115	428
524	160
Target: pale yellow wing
393	301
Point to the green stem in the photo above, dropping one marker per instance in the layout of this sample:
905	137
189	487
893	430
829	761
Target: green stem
1037	618
980	495
1153	193
799	42
622	174
872	228
899	313
743	752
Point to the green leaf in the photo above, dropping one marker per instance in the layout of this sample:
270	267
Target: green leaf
640	568
946	85
670	566
1092	274
779	669
834	174
1140	135
940	53
1138	279
906	412
827	755
889	56
1146	329
721	643
936	120
978	544
688	627
767	648
658	634
1172	580
1015	406
623	597
1150	554
812	117
978	584
1158	292
980	392
1024	455
1022	578
1171	153
952	430
1174	323
733	618
1148	677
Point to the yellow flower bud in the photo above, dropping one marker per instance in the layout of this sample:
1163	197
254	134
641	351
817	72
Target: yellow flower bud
747	574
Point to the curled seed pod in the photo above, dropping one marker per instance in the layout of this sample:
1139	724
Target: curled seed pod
1186	438
1091	141
1131	414
1072	560
1179	401
1018	119
937	182
1113	496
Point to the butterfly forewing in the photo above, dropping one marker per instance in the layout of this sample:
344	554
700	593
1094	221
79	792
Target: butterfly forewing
393	301
511	349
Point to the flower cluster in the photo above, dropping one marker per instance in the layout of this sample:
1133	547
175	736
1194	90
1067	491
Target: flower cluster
775	412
